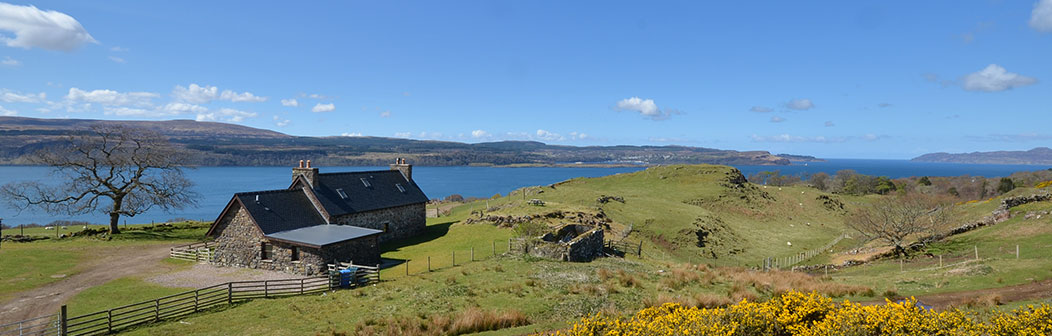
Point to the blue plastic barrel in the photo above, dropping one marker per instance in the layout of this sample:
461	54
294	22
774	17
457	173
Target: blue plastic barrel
345	278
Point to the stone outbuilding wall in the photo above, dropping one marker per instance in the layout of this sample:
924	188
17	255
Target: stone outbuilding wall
239	243
397	222
573	242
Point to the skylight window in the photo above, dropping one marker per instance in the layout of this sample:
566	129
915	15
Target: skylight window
366	183
343	194
400	187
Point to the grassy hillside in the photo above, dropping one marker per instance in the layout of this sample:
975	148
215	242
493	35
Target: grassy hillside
699	213
996	267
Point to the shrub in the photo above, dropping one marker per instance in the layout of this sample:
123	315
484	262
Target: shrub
795	313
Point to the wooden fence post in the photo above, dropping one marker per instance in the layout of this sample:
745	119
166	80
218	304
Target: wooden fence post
1017	251
230	292
377	272
196	301
407	267
109	321
472	253
976	252
301	285
494	243
940	260
62	321
156	310
454	258
429	263
639	252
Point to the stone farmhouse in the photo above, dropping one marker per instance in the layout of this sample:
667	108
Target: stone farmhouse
319	219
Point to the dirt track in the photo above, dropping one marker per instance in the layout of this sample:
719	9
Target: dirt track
1029	291
110	264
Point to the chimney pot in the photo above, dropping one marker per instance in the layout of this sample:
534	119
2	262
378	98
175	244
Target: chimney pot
301	163
308	163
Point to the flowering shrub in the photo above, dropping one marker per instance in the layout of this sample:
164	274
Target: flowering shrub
796	313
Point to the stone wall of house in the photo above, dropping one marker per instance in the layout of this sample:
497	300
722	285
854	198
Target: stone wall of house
237	239
362	251
401	222
239	244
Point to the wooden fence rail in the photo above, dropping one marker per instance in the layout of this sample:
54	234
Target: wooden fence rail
185	303
201	252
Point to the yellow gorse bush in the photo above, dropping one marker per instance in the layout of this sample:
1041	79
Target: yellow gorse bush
811	314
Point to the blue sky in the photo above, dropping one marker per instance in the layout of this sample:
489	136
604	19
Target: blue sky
837	79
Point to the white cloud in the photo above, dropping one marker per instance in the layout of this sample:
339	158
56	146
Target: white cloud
385	114
6	112
226	114
317	96
786	138
112	98
829	124
181	108
11	62
761	109
1041	17
131	111
324	107
35	28
116	59
800	104
281	122
118	49
795	139
9	96
479	134
549	136
205	94
352	134
578	136
645	107
777	119
995	78
195	94
290	102
403	134
241	97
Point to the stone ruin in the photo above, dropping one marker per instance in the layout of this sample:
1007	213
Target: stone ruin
571	242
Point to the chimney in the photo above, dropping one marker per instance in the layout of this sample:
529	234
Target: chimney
406	169
309	174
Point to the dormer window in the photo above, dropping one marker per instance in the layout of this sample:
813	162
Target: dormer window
400	187
343	194
366	183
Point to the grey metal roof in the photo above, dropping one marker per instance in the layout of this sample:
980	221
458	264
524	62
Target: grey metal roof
321	235
280	210
366	191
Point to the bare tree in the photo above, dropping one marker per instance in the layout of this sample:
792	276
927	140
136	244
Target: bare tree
116	170
894	219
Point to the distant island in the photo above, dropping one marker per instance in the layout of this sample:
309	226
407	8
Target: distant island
1036	156
800	158
221	144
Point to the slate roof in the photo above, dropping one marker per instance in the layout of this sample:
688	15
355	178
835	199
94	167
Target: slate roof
382	191
280	210
321	235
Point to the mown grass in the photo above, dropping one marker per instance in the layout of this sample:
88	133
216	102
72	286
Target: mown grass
117	293
23	268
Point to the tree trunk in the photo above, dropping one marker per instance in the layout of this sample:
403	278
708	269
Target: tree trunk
115	215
